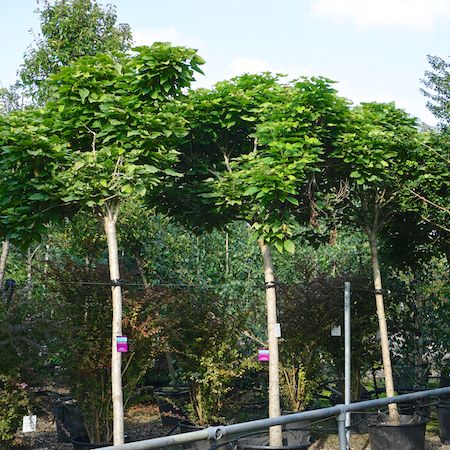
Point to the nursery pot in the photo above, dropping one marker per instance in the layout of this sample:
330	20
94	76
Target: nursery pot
443	413
359	420
293	438
69	421
169	403
262	443
409	434
414	408
444	381
186	427
296	433
83	443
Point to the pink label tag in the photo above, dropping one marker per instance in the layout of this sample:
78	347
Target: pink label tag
122	344
263	355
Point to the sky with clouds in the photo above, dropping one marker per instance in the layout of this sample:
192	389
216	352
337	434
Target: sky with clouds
376	50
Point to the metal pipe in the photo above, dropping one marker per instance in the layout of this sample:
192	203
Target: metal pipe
216	433
341	418
347	353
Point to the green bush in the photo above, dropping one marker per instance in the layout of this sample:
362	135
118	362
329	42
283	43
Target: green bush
14	404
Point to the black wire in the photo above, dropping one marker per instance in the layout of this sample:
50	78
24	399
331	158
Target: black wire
205	286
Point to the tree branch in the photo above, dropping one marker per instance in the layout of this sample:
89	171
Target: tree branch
424	199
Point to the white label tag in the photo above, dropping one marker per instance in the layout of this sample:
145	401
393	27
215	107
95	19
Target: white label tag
277	328
29	424
336	331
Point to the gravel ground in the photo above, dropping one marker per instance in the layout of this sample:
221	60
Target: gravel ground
142	422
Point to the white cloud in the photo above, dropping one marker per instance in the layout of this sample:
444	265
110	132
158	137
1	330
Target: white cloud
171	34
415	14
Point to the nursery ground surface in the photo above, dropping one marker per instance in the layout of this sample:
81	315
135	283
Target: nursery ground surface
142	422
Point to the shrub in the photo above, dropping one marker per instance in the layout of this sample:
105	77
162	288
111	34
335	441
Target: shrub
14	403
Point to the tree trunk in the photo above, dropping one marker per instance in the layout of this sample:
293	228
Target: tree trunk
3	257
227	254
30	257
387	367
275	433
109	221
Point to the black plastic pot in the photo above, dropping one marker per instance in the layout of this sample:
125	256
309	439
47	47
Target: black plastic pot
443	413
185	427
444	381
252	443
414	408
297	433
359	420
289	440
170	403
409	434
83	443
69	421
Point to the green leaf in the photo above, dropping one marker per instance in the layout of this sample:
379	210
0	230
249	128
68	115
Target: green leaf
78	165
172	173
133	133
149	168
355	174
69	198
279	246
289	246
83	93
250	191
38	196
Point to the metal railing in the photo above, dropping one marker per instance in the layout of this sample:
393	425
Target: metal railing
217	433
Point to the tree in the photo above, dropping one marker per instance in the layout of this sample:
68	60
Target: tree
437	89
378	154
9	101
268	186
222	121
427	194
114	131
70	29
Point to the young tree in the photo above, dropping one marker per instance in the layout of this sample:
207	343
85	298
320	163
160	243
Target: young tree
268	186
222	121
378	155
69	29
115	127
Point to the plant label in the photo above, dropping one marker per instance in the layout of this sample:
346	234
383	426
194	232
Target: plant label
336	331
122	344
263	355
29	424
277	328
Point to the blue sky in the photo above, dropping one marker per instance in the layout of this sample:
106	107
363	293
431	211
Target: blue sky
375	49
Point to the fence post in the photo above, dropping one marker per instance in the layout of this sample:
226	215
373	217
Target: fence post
341	431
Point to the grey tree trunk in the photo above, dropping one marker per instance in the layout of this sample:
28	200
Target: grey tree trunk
227	253
109	222
275	433
379	299
3	258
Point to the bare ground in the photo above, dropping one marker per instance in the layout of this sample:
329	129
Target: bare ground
142	422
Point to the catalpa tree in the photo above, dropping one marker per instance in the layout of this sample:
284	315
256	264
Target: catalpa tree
115	128
267	187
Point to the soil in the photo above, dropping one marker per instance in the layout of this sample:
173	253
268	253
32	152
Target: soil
143	422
